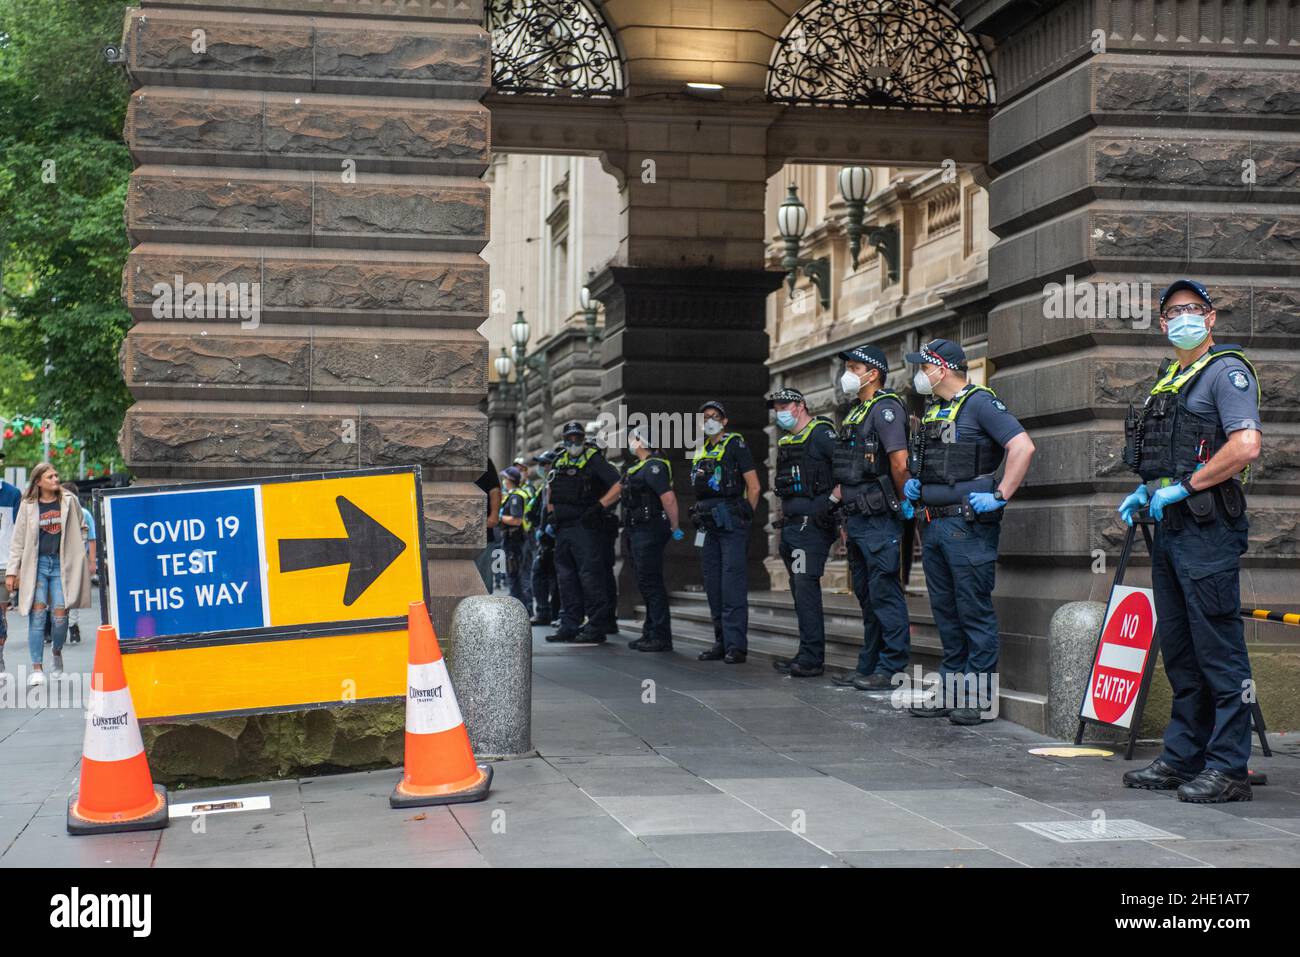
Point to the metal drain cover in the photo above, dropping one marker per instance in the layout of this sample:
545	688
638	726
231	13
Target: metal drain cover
1098	829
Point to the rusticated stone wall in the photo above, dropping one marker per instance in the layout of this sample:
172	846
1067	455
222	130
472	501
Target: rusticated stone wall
1176	152
330	153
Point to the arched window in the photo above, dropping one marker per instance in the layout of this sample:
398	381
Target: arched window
908	54
553	47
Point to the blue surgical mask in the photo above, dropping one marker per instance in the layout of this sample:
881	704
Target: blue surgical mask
786	419
1187	331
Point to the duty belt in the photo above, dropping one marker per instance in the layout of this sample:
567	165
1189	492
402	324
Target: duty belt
932	512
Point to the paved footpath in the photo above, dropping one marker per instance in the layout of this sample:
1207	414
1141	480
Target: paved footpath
661	760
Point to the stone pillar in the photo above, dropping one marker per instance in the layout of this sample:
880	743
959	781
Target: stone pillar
1172	153
329	154
674	338
503	407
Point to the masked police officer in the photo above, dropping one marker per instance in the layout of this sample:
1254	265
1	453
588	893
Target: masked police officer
964	436
546	589
725	482
650	519
803	485
1195	437
581	487
517	530
870	470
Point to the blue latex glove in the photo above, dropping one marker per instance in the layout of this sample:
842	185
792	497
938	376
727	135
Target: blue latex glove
906	507
678	534
983	502
550	530
1139	499
1165	497
912	489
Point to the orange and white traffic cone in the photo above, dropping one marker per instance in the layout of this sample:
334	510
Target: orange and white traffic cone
440	766
117	792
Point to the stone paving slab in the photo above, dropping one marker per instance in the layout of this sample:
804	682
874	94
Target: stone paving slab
725	766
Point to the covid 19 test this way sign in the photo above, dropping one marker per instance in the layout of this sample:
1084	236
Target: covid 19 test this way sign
215	587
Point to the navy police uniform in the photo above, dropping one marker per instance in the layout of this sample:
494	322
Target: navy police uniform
1196	560
723	513
575	487
873	521
647	528
957	450
803	483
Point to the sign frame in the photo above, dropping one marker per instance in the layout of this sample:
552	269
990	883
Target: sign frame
271	633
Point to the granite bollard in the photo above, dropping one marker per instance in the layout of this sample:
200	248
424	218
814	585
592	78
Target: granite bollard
491	665
1071	645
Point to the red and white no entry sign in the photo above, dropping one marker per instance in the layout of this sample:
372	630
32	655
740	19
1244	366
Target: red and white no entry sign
1126	637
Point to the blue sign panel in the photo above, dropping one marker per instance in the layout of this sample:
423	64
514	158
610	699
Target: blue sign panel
185	562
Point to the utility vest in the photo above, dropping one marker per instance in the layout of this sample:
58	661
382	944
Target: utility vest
641	503
936	462
713	475
527	500
571	481
1167	440
798	474
859	458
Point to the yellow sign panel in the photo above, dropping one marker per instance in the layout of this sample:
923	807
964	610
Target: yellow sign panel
267	675
342	549
267	594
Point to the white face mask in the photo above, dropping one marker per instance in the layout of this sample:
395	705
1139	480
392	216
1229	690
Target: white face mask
850	383
712	426
922	384
575	448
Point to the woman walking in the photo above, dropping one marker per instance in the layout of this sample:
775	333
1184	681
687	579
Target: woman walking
47	565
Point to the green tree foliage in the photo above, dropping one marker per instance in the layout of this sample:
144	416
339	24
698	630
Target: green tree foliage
63	178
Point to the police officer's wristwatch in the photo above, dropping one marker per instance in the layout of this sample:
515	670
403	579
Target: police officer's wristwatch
998	496
1186	483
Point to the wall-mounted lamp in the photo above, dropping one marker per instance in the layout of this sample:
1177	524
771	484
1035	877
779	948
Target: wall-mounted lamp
590	315
792	221
855	187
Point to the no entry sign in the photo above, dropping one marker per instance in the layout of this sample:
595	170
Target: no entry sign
265	594
1122	655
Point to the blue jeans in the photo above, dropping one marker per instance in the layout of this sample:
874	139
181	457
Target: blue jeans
48	595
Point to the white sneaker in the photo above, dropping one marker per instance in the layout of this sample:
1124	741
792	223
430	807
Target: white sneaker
36	679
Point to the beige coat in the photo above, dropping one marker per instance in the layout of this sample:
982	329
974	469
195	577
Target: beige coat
72	554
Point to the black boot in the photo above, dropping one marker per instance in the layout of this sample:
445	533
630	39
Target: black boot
783	665
655	644
802	669
735	657
1214	787
715	653
1156	776
562	635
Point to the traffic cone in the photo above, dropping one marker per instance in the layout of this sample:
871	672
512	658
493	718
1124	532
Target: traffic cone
117	792
440	767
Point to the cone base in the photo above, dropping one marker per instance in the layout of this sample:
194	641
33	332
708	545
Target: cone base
153	821
475	792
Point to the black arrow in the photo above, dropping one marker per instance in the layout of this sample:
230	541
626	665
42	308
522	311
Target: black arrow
368	548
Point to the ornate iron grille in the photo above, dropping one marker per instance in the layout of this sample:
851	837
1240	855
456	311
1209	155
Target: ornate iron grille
879	53
553	47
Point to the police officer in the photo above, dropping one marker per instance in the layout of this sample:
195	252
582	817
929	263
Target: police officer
964	436
725	482
516	531
1192	444
870	470
803	484
650	519
546	589
609	542
581	487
